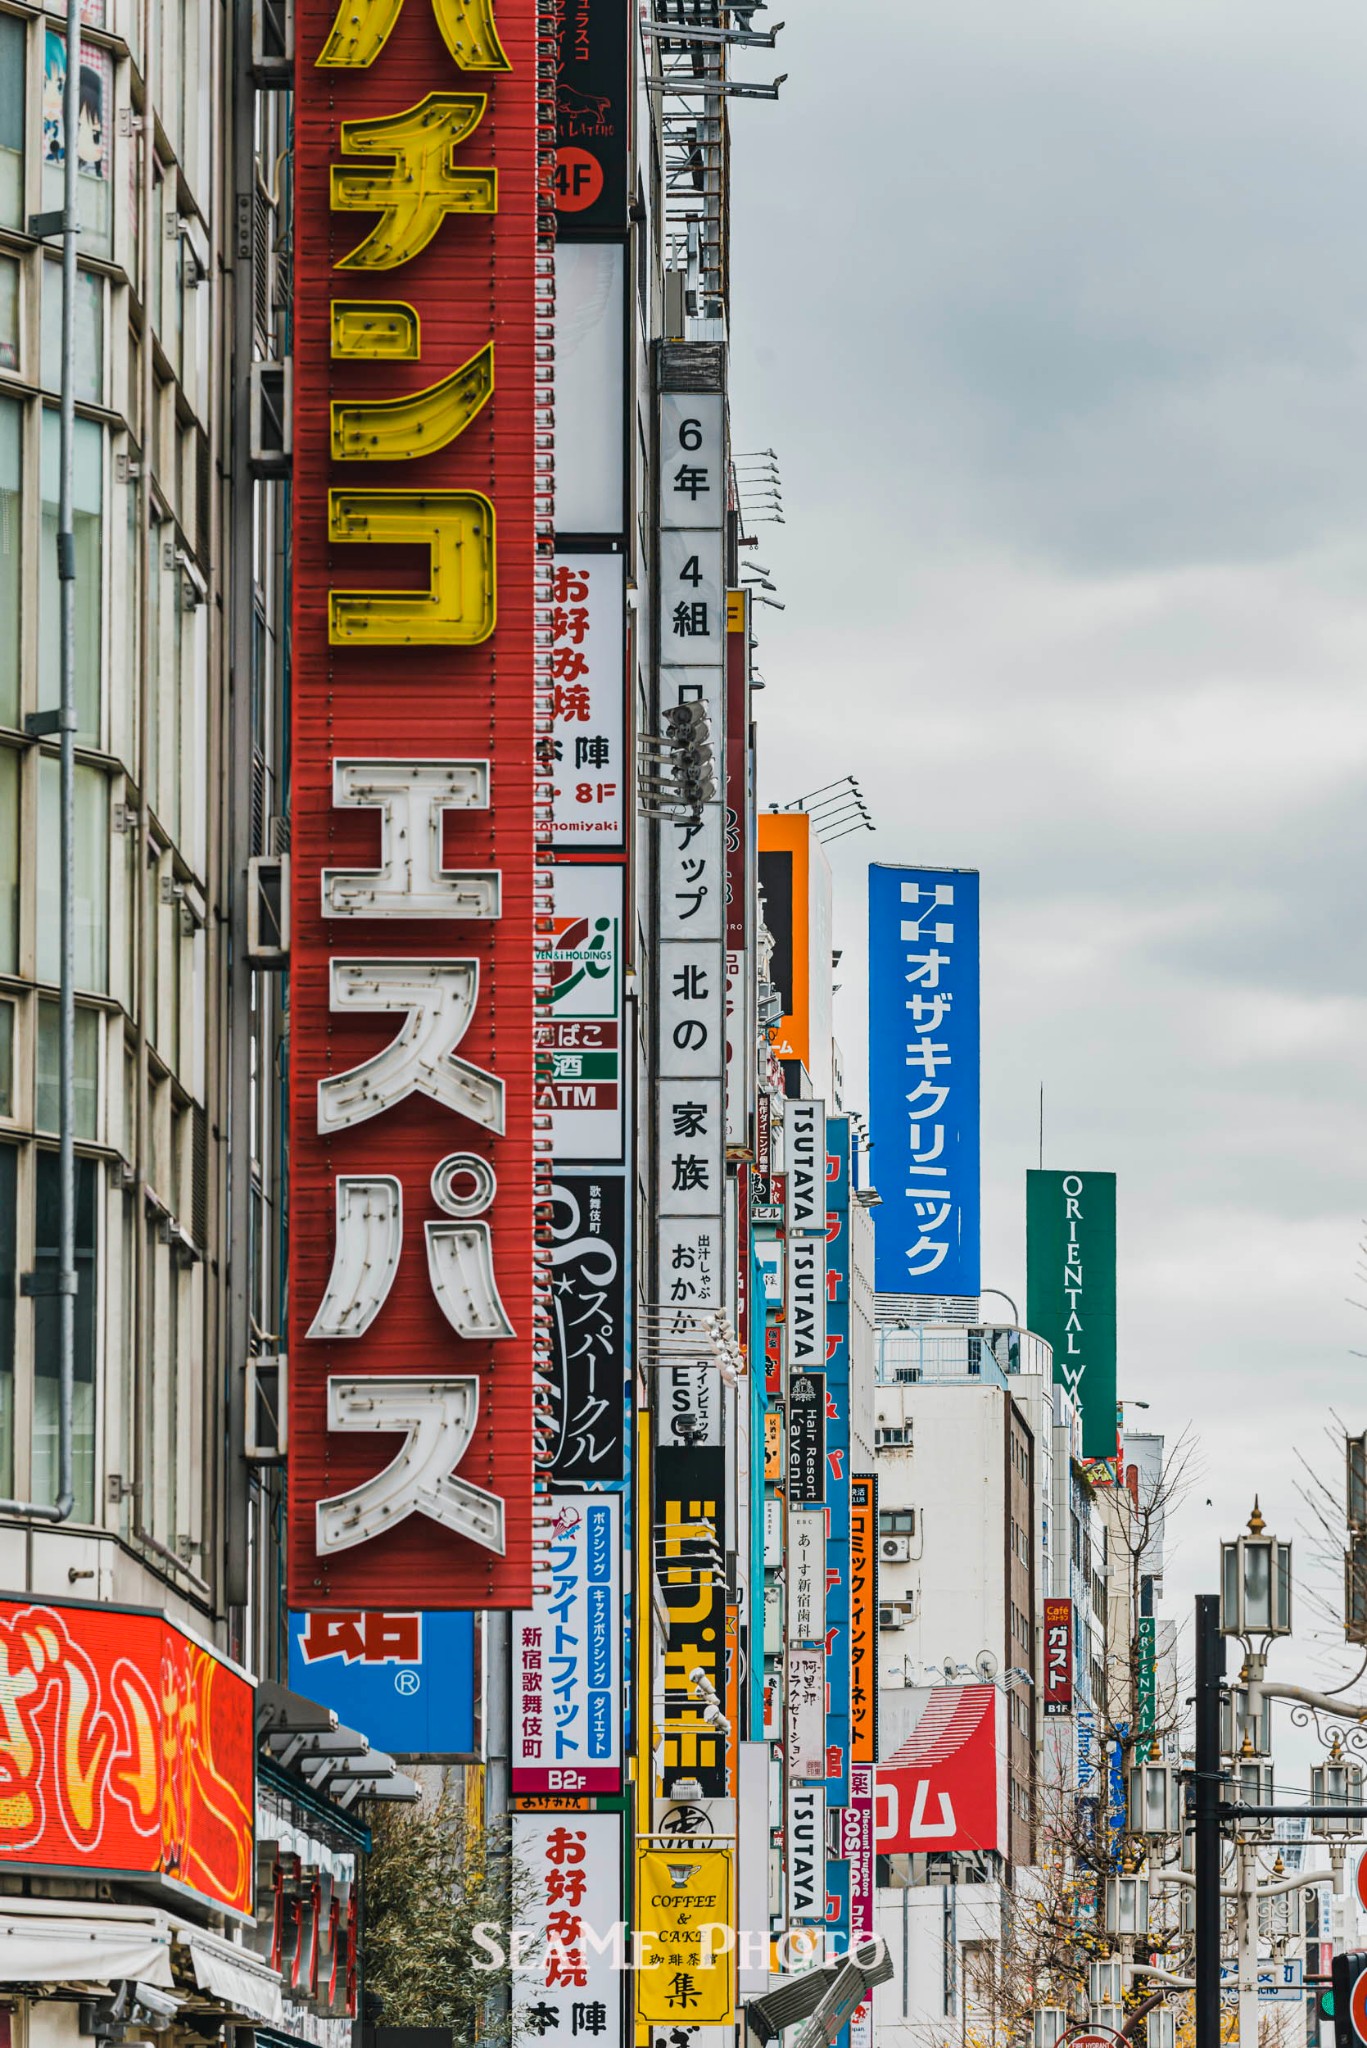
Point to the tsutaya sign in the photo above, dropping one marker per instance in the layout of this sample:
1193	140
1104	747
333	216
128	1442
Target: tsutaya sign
423	189
1070	1291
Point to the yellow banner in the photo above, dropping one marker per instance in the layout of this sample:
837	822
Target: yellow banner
687	1922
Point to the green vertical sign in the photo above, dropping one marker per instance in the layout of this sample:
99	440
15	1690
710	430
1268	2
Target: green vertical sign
1146	1715
1070	1291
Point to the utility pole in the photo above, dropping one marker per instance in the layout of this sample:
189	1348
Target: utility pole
1210	1669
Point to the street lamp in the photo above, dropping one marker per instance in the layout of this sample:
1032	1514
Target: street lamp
1244	1724
1051	2024
1105	1981
1357	1484
1335	1782
1127	1905
1162	2027
1155	1799
1255	1583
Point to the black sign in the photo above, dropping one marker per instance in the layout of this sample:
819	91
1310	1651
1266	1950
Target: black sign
807	1439
588	1325
591	99
690	1564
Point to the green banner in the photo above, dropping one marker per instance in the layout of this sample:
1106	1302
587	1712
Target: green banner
1146	1706
1070	1291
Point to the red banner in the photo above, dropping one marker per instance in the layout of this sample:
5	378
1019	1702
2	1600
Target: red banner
124	1747
1058	1656
944	1787
423	158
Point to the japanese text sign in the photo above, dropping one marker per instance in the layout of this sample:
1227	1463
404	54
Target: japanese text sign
569	1989
407	1679
864	1619
591	102
1070	1291
688	1974
422	193
586	753
125	1747
944	1787
567	1655
806	1438
579	1015
691	1540
806	1852
1058	1656
588	1255
923	1079
806	1713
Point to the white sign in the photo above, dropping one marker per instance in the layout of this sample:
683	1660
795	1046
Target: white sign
773	1535
579	1016
689	1403
573	1867
807	1714
807	1575
807	1303
587	760
567	1654
806	1852
1278	1983
804	1160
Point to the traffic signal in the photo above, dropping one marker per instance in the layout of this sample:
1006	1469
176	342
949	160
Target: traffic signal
1348	1999
690	753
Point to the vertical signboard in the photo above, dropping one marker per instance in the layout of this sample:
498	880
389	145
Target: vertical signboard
420	203
691	1538
568	1982
1070	1291
807	1574
806	1852
806	1439
579	1028
691	901
796	891
923	1079
687	1973
836	1248
568	1681
588	1256
806	1308
856	1842
864	1620
1146	1696
585	755
804	1162
806	1713
1058	1656
591	104
741	1022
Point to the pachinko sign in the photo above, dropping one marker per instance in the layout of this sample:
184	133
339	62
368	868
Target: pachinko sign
124	1747
421	549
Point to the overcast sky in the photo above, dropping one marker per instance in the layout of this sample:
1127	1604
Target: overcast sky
1056	317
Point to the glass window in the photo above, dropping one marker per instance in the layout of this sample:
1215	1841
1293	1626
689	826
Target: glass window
47	1112
9	300
88	520
9	861
95	122
47	1335
89	333
12	40
92	875
11	524
6	1059
9	1222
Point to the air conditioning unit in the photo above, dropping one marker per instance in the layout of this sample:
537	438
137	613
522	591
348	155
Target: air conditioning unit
895	1549
891	1617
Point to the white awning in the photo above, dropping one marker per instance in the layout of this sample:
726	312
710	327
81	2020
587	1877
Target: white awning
73	1948
235	1978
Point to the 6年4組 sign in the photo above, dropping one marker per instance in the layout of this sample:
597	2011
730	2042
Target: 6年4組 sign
420	199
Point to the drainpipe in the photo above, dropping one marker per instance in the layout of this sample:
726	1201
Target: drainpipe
65	1287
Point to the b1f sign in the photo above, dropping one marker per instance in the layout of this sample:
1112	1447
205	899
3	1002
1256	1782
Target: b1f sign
923	1079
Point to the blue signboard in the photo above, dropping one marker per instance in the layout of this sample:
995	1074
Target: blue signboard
923	1079
838	1461
406	1681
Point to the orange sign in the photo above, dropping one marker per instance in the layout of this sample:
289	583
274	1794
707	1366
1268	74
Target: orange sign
124	1746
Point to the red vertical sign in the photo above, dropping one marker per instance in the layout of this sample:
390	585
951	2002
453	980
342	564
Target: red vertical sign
1058	1656
421	550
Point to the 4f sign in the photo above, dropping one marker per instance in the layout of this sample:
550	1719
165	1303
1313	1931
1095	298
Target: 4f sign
804	1126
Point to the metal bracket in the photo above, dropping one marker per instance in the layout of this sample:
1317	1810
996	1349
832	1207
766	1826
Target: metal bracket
43	225
41	725
47	1283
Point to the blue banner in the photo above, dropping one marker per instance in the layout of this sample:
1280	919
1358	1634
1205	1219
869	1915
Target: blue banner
923	1079
837	1461
405	1680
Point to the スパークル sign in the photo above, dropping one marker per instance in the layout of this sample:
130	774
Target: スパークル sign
588	1256
125	1748
923	1078
1070	1291
567	1655
420	205
407	1678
